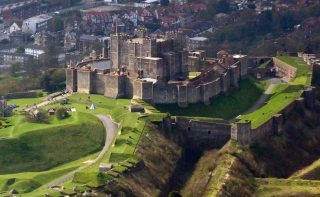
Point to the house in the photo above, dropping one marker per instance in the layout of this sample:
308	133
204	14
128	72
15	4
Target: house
87	42
196	43
71	40
35	51
36	24
9	58
44	38
17	37
15	27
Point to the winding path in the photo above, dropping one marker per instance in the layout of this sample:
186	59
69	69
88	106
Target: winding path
273	82
111	132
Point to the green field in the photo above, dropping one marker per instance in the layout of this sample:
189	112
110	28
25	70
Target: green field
283	94
225	107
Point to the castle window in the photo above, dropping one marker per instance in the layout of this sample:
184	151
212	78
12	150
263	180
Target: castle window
189	128
209	132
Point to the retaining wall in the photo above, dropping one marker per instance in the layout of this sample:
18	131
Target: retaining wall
247	136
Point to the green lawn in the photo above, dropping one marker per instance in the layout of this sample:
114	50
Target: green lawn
225	107
193	74
283	94
304	74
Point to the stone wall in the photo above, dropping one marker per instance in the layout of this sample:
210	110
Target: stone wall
16	95
243	133
71	80
115	86
98	83
84	81
204	133
284	70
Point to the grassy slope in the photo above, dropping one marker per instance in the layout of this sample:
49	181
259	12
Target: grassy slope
50	147
283	94
31	179
120	151
230	177
226	107
287	187
311	172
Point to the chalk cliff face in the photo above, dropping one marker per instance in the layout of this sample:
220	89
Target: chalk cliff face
159	157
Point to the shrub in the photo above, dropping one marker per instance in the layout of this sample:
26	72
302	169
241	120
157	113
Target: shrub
38	116
61	113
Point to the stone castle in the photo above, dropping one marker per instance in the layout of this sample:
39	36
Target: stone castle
155	69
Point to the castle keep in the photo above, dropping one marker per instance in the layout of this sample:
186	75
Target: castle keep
155	69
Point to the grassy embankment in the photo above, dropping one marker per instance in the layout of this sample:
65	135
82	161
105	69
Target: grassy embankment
225	107
287	187
37	153
121	153
283	94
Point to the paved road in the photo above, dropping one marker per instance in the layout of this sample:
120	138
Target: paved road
111	132
273	82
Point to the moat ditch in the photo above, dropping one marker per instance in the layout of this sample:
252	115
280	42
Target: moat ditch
184	170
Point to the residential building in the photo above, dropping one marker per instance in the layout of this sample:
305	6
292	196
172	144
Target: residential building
196	42
36	24
35	51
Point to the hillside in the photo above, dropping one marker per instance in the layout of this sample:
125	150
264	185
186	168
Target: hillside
46	148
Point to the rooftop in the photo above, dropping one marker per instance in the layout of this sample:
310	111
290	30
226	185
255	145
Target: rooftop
39	18
102	9
199	38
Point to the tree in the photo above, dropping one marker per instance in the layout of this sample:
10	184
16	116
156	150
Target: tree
222	6
38	116
252	6
53	79
174	194
61	113
50	58
164	2
58	23
20	49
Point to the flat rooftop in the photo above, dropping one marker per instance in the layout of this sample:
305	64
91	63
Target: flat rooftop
39	18
97	64
199	38
102	9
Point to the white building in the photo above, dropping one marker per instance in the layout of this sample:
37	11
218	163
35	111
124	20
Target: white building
36	24
14	27
196	42
34	50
